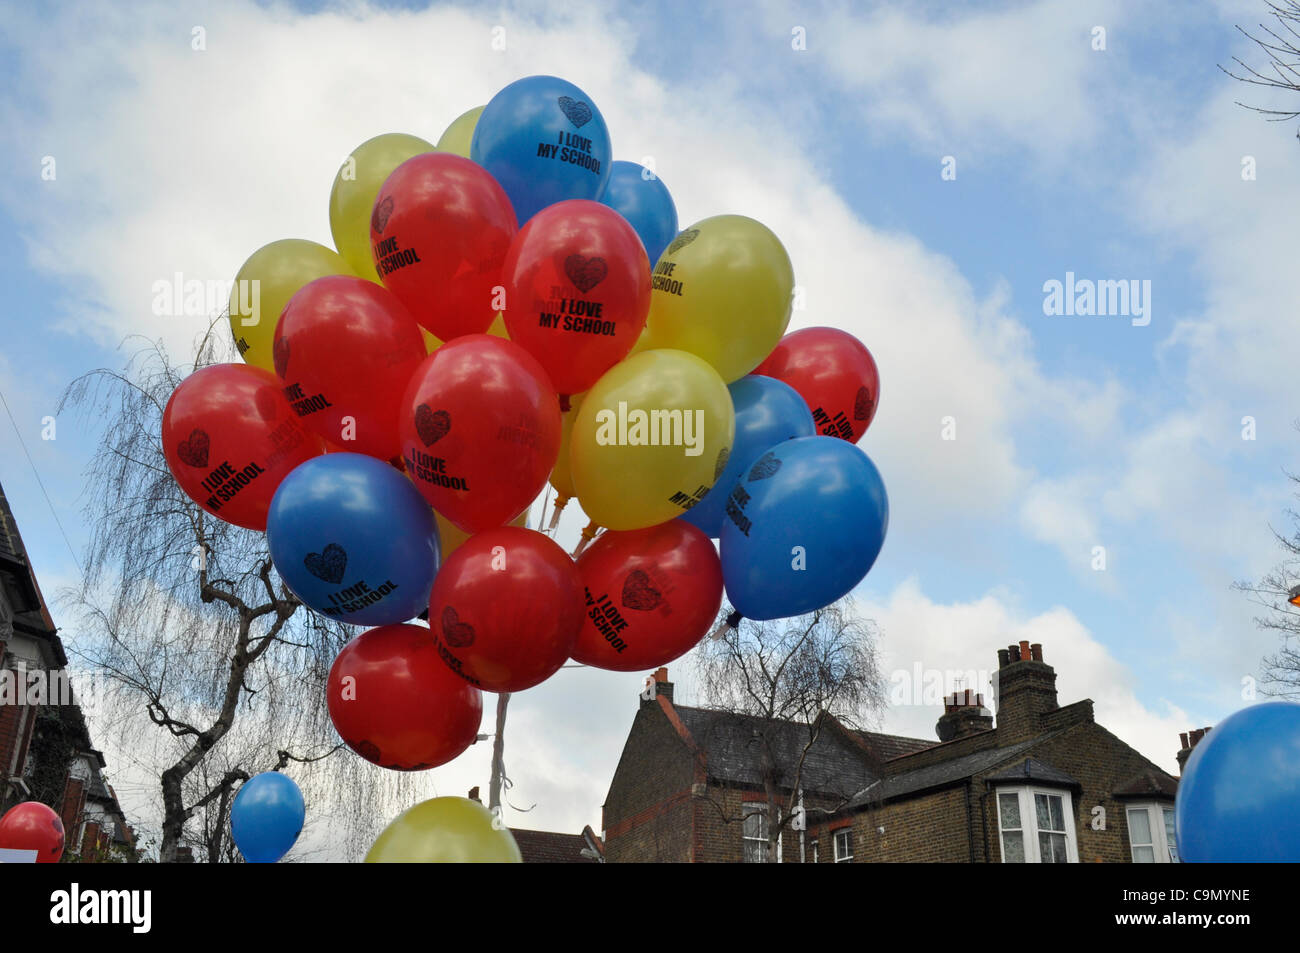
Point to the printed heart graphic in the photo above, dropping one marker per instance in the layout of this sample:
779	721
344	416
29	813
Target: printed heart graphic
329	565
682	240
585	273
579	113
458	634
431	425
862	404
194	451
723	456
370	751
280	356
638	593
766	466
379	217
57	824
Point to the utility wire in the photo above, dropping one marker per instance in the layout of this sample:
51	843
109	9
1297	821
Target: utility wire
41	484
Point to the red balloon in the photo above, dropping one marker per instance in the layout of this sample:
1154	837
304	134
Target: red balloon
438	234
480	430
32	825
230	437
834	373
397	704
345	349
577	286
651	595
506	608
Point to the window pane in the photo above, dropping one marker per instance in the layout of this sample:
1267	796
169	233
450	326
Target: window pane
1169	835
1013	848
755	852
1051	847
843	846
1010	807
1049	812
1144	855
1139	826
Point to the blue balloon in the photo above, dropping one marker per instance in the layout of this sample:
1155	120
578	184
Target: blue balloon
768	411
641	197
803	526
354	539
1239	797
267	817
545	141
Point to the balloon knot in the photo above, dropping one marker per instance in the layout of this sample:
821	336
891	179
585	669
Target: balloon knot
564	403
560	502
588	534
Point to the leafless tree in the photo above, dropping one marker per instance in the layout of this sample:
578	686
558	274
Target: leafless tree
800	673
1279	42
192	626
1281	670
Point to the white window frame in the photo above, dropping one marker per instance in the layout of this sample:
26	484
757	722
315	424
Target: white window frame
1165	853
1029	821
843	858
753	809
815	855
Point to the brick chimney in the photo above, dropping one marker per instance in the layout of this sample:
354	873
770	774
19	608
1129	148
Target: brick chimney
662	687
1026	690
963	714
1189	740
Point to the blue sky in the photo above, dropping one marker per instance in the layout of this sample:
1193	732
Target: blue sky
1073	432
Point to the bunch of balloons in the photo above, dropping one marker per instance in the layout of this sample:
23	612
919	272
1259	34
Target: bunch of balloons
508	307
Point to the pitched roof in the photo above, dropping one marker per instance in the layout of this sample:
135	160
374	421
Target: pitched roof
940	773
888	747
732	750
1031	769
549	847
1149	784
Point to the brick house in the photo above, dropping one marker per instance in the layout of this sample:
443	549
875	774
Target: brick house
45	748
1045	784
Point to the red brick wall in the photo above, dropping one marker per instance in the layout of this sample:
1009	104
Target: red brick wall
74	804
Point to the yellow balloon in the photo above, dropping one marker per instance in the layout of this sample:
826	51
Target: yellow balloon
562	475
432	342
444	830
459	134
722	290
356	185
650	438
452	536
264	286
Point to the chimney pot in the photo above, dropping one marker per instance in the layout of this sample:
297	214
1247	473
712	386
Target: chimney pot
1182	737
661	674
1004	658
968	696
1014	652
1036	652
1024	650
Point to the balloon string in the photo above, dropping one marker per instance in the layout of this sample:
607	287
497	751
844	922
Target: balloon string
588	534
560	502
